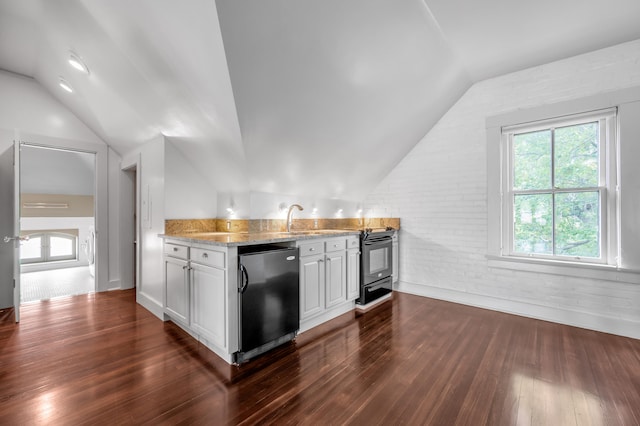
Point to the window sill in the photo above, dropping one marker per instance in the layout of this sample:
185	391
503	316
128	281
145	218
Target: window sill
570	269
50	262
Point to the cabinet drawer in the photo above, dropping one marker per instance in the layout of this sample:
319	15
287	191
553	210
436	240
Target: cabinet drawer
208	257
175	250
334	245
308	249
353	242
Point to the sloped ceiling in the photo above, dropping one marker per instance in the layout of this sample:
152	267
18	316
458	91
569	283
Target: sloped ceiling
156	66
335	92
47	171
315	98
495	37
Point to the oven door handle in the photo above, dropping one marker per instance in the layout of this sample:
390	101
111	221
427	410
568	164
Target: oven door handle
380	241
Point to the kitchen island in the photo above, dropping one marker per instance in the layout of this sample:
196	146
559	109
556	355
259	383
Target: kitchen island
200	291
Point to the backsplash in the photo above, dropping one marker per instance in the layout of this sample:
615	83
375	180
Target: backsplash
187	226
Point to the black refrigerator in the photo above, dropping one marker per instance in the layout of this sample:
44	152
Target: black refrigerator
268	298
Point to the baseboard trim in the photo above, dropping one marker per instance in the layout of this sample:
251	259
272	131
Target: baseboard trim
586	320
115	285
150	305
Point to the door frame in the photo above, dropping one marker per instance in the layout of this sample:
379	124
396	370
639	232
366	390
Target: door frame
7	223
130	164
101	196
17	199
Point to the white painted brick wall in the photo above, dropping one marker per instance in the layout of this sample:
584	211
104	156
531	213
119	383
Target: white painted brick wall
439	192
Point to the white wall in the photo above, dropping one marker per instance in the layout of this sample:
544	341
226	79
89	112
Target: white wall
189	195
262	205
169	189
150	161
439	191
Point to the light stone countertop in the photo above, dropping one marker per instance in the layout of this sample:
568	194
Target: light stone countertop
231	239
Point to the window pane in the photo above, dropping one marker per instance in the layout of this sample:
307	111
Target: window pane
31	249
533	225
60	246
576	156
532	160
577	223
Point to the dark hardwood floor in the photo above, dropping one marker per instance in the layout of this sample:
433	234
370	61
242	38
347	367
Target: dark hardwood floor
102	359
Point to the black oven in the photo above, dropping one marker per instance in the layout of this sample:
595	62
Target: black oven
376	264
376	251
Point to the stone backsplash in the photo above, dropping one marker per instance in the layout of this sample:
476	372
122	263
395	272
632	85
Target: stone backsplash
186	226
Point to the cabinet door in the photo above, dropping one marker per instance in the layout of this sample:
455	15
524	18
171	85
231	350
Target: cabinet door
353	274
208	304
176	301
336	278
311	285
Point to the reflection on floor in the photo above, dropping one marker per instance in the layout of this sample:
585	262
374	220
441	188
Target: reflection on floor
60	282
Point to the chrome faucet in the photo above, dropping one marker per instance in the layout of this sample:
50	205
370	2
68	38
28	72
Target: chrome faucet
289	214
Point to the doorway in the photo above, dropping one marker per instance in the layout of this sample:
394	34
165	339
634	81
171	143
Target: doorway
130	263
57	215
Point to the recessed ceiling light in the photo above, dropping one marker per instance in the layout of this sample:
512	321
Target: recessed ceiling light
65	85
77	63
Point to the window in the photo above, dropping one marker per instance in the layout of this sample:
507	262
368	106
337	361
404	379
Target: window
559	189
48	247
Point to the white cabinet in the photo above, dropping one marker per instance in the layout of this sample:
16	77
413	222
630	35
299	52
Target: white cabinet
196	293
176	282
208	303
176	289
312	285
353	274
201	287
329	277
335	278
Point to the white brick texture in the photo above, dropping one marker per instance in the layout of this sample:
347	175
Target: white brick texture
439	192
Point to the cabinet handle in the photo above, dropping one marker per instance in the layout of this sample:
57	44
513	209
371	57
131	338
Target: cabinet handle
312	249
205	256
175	249
320	260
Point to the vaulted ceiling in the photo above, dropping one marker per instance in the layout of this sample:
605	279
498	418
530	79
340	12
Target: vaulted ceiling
49	171
307	97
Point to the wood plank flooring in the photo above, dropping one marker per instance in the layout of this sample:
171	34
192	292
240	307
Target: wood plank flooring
103	359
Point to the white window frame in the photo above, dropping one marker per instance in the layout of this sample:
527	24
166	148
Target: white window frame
46	247
607	186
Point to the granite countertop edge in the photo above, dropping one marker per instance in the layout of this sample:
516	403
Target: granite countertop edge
231	239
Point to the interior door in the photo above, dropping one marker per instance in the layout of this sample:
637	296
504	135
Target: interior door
11	226
16	227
